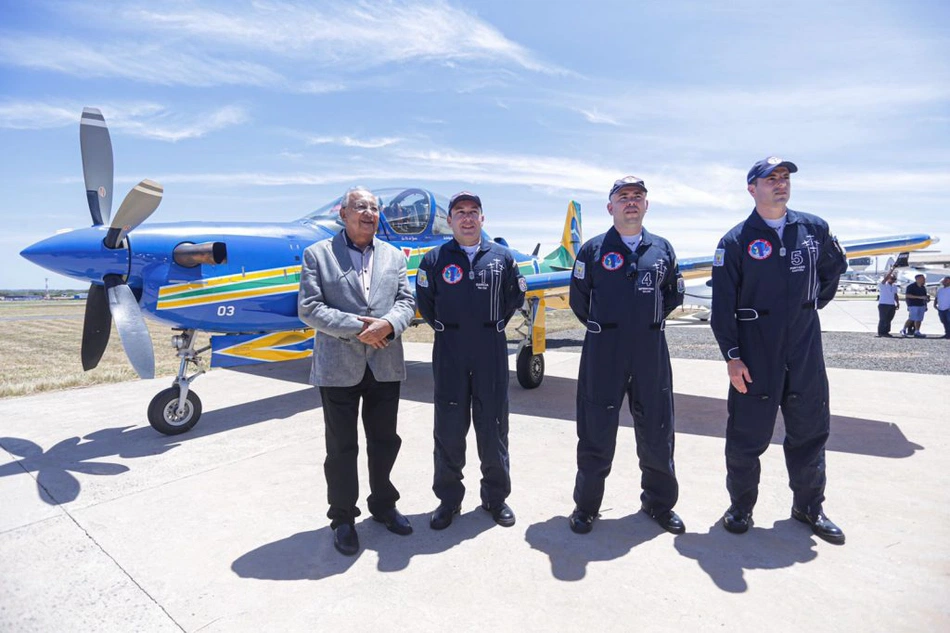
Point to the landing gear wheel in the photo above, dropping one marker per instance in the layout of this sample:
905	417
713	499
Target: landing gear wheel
163	412
530	368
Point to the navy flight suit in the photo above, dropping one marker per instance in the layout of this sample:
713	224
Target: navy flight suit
468	306
623	297
766	293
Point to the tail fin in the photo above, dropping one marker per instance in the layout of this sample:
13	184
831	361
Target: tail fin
571	239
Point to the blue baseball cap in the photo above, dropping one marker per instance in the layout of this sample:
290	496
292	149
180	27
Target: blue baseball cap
461	196
626	181
767	165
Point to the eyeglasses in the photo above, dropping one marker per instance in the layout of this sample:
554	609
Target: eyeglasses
362	207
632	267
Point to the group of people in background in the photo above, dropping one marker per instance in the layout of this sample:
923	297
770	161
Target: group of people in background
917	299
771	273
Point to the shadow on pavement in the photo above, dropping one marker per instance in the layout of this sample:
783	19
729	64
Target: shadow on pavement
725	557
311	555
610	539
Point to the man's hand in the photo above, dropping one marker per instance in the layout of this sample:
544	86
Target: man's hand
375	332
738	375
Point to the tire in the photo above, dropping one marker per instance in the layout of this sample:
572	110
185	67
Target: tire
530	368
162	408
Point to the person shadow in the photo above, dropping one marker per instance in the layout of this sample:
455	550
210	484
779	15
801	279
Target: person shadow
571	553
311	556
725	557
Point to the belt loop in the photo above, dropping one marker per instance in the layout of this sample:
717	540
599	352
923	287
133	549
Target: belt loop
746	314
591	325
437	326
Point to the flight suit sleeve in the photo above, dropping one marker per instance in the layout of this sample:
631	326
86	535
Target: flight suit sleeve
581	286
312	309
673	286
425	288
514	289
832	263
726	279
404	306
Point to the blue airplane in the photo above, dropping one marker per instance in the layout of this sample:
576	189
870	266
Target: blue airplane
240	280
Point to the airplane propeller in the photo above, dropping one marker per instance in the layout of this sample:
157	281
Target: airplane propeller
113	300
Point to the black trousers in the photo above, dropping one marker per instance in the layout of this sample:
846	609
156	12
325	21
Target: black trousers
885	316
340	413
471	389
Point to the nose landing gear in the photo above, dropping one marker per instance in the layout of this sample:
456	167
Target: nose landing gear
177	409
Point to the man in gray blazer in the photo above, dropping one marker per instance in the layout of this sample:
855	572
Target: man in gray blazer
355	294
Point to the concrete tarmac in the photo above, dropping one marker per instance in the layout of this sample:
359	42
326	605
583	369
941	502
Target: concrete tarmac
107	525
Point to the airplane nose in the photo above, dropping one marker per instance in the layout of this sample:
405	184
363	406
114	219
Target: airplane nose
79	254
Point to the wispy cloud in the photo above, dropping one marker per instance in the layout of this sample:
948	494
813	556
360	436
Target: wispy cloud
200	45
595	116
362	33
143	119
349	141
139	60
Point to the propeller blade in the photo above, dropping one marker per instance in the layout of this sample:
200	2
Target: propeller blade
96	149
96	327
138	205
131	326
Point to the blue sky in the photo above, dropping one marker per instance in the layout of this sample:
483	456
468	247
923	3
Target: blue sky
264	111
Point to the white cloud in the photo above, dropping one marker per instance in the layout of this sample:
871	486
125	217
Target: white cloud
595	116
138	60
194	45
348	141
143	119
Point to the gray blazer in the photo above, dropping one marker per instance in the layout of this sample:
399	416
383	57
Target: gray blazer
330	300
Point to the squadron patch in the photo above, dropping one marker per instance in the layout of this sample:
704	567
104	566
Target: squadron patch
522	284
612	261
680	285
422	279
760	249
452	274
719	258
579	269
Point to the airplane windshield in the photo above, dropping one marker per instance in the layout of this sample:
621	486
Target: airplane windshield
406	211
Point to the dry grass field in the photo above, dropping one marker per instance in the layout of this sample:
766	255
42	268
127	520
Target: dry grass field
40	347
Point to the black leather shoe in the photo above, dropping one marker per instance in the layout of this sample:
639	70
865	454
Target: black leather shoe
345	540
442	517
822	526
668	520
581	522
737	521
501	513
395	521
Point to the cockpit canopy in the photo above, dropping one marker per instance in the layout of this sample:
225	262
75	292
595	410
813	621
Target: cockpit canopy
403	212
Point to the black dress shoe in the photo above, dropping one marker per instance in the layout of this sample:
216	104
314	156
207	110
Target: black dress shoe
822	526
345	540
737	521
501	513
442	517
668	520
394	521
581	522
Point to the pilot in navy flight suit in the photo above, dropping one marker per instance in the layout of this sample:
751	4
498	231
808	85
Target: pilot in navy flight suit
467	289
771	274
625	283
